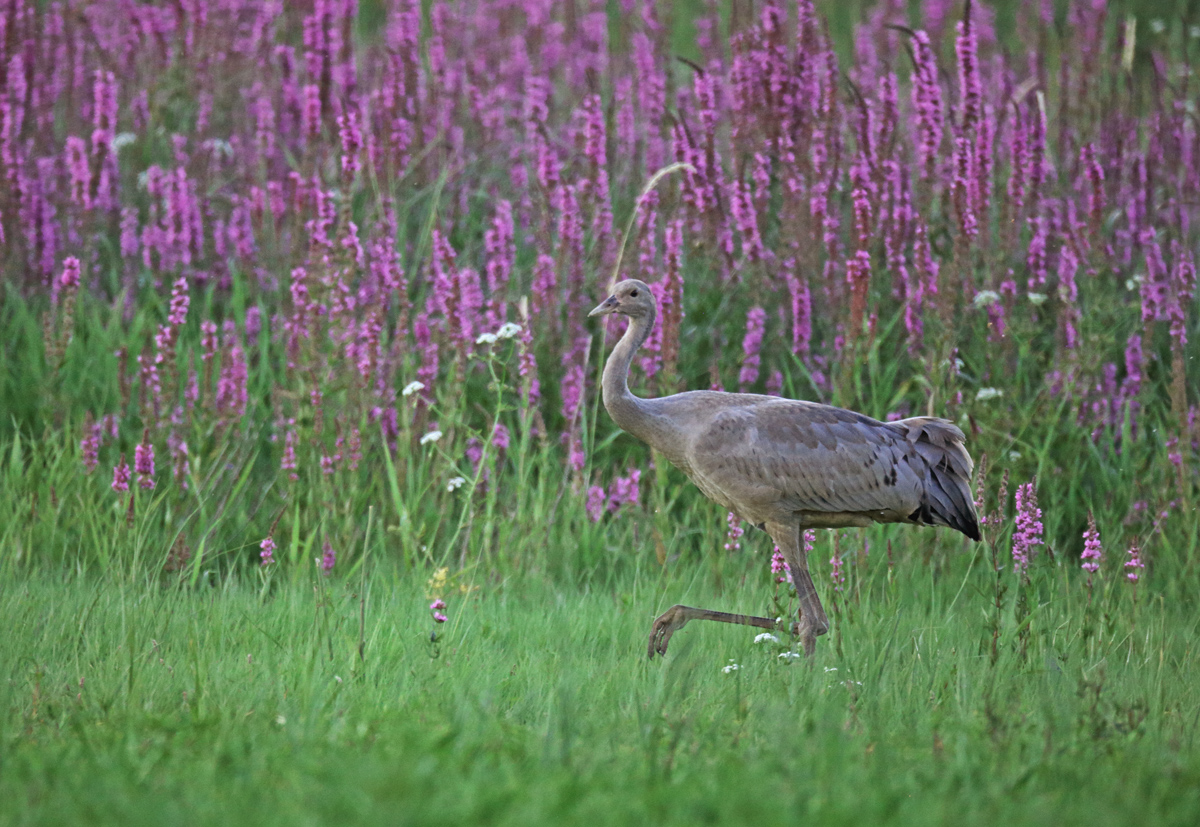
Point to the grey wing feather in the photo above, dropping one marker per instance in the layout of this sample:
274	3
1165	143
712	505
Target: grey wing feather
801	456
791	456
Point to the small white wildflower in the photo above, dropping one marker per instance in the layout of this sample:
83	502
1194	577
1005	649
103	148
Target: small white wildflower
732	667
1158	26
766	636
485	339
1037	299
455	483
432	436
412	387
985	297
219	146
830	668
279	719
122	140
1013	456
1134	281
1194	31
789	655
984	394
508	330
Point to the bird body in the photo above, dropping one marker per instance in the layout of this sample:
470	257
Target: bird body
786	465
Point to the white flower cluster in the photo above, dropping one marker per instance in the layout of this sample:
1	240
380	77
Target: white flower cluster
730	667
506	331
984	394
985	297
766	637
455	483
432	436
412	387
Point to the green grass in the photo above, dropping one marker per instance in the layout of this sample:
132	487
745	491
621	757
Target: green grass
132	702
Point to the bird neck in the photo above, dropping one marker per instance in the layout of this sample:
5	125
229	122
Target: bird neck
623	406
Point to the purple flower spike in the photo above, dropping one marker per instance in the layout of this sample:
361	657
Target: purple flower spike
328	559
756	325
267	552
1092	550
595	503
734	532
1028	532
143	461
1134	564
927	102
89	446
121	476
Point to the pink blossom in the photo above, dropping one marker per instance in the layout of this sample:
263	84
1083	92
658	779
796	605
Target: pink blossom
267	553
121	476
89	446
143	461
1134	564
1027	534
595	503
1092	550
734	532
756	324
328	558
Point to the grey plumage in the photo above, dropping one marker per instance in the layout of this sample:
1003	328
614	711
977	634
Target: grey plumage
787	465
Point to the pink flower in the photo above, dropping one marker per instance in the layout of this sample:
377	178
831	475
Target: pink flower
595	503
89	446
143	461
836	574
756	324
437	605
328	559
1134	564
268	550
625	490
780	567
1092	551
438	617
734	532
1028	532
288	463
121	476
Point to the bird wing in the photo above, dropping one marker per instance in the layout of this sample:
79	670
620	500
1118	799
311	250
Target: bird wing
783	456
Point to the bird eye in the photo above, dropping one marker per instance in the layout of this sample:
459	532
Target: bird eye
633	294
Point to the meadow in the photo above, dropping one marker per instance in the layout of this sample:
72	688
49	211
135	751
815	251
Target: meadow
309	508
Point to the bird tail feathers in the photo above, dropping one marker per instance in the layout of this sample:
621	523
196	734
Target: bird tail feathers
947	498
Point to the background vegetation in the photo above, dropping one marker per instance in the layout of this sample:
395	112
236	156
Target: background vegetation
310	511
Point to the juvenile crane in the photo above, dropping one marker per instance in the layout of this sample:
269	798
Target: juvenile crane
786	465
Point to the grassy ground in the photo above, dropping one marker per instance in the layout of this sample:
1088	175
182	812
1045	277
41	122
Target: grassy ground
150	703
181	274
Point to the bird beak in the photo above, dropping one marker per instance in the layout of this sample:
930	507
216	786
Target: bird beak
605	307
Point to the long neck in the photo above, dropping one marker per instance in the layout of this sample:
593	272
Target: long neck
623	406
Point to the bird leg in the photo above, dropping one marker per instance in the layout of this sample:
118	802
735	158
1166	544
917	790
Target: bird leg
813	622
676	617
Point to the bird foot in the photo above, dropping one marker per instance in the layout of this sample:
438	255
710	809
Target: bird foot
808	633
665	625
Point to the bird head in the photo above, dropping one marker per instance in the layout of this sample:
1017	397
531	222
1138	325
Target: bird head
630	298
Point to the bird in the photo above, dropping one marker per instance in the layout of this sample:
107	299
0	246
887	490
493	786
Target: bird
787	465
